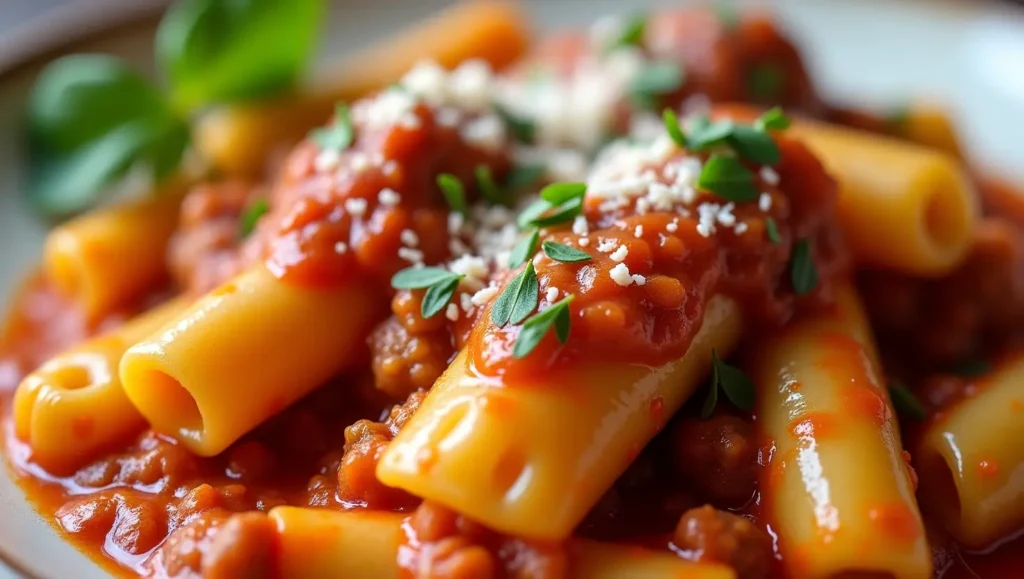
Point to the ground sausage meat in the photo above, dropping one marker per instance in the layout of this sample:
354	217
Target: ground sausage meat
717	457
708	535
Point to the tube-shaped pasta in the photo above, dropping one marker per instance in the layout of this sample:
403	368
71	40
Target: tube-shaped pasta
530	459
930	125
244	352
73	407
972	463
239	138
110	256
838	490
902	206
366	544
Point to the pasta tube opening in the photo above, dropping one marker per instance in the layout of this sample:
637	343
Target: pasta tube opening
181	413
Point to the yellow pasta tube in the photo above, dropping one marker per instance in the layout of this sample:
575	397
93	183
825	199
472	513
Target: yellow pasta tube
837	489
971	461
73	407
530	459
112	255
901	206
365	545
239	138
930	125
244	352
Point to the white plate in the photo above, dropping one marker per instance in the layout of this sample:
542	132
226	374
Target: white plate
967	54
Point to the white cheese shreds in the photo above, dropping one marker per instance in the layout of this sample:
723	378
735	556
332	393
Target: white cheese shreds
411	255
619	254
673	226
579	225
428	81
584	241
769	175
390	107
355	206
607	245
486	132
409	238
471	266
638	279
326	160
725	216
638	232
485	295
452	312
466	302
359	161
620	275
340	247
448	117
551	294
740	228
469	85
389	197
764	202
455	222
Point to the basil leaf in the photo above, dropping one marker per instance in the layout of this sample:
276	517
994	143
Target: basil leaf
523	176
252	214
558	193
453	192
564	253
522	129
772	230
904	401
523	249
632	33
563	213
338	135
728	178
711	399
90	120
765	82
488	188
438	296
705	134
533	331
738	387
972	367
420	277
228	50
803	272
653	81
757	146
518	299
774	119
673	129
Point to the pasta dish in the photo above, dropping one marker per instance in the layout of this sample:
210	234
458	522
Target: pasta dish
628	301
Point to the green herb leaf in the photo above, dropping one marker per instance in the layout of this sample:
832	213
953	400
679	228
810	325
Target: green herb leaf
221	50
564	253
558	193
972	367
765	82
453	192
524	176
632	33
772	230
803	272
673	128
522	129
252	214
488	188
438	296
338	135
563	213
523	249
704	134
905	402
738	387
420	277
518	299
728	178
656	80
773	119
533	331
711	398
90	120
755	145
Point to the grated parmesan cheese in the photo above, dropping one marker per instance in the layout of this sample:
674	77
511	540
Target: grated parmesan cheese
409	238
764	202
769	175
452	312
389	197
355	206
619	254
620	275
485	295
551	294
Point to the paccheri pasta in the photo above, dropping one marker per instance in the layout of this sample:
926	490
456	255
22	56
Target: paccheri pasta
587	316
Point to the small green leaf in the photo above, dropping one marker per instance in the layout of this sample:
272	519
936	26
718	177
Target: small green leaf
728	178
438	295
563	213
522	129
673	128
523	176
564	253
228	50
251	215
803	272
533	331
488	188
704	134
904	401
338	135
655	80
632	33
972	367
558	193
523	249
754	145
765	82
518	299
420	277
738	387
453	192
772	230
773	119
711	398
